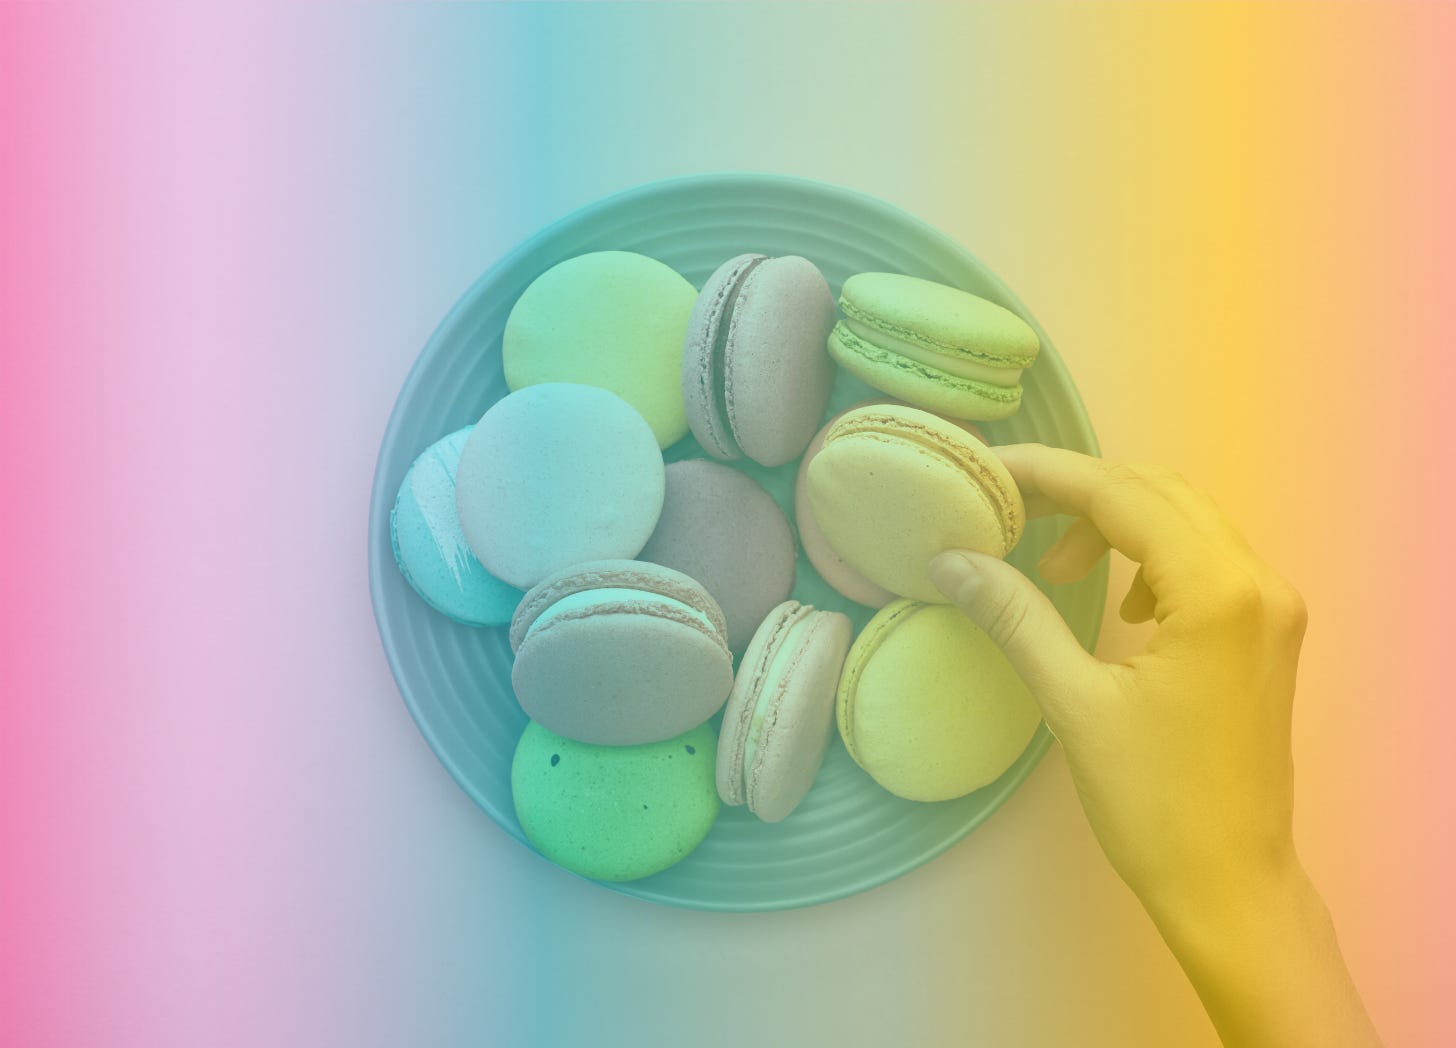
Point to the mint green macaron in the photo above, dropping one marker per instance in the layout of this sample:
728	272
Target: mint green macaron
933	346
615	813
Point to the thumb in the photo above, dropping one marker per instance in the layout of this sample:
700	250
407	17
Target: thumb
1024	625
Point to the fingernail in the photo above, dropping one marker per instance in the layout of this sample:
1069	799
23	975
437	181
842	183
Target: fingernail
953	573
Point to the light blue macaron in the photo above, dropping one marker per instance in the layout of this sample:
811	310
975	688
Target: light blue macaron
430	547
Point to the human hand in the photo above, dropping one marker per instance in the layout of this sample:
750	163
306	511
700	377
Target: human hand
1180	754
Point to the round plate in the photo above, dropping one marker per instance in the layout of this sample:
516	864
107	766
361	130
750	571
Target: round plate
849	834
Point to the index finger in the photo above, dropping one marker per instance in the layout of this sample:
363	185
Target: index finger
1126	505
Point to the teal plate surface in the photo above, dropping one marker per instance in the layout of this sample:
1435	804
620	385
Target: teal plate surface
849	834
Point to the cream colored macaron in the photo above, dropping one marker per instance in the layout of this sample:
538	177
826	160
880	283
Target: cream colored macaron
894	486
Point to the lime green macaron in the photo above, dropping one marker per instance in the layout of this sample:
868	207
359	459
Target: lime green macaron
893	486
933	346
929	706
611	319
615	813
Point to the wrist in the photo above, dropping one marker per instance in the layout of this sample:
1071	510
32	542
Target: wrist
1241	898
1260	949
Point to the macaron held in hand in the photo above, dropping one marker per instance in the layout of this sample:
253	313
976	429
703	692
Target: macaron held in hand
929	705
756	376
611	319
614	813
555	475
894	486
933	346
620	652
830	565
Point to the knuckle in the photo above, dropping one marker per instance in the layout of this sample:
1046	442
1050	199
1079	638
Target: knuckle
1004	618
1239	600
1286	609
1124	473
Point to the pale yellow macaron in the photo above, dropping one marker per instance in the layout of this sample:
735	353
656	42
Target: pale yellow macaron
894	486
928	704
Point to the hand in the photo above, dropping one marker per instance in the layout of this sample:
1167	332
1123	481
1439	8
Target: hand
1180	754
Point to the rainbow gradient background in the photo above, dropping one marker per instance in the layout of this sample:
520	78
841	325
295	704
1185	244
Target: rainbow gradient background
225	235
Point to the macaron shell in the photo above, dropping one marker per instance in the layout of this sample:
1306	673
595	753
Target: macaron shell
430	547
777	373
621	675
830	565
720	528
929	706
941	318
611	319
893	487
701	382
615	813
554	475
796	732
615	574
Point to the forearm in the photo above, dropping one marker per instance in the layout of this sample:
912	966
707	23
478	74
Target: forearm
1265	961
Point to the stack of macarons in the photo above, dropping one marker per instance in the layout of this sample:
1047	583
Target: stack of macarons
644	593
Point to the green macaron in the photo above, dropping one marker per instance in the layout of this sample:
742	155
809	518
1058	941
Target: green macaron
933	346
615	813
612	319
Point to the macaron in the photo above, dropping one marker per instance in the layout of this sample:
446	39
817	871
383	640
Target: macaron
929	706
780	714
554	475
612	319
894	486
933	346
620	652
720	528
614	813
430	547
755	374
830	565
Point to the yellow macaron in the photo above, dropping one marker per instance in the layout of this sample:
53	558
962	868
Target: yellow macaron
928	704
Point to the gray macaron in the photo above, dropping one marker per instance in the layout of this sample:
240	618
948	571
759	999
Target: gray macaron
618	652
756	371
719	527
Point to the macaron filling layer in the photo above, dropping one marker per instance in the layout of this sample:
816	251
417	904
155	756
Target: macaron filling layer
957	364
843	341
634	600
718	355
892	428
770	687
880	326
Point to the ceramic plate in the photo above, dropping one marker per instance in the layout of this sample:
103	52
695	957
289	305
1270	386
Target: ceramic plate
849	834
